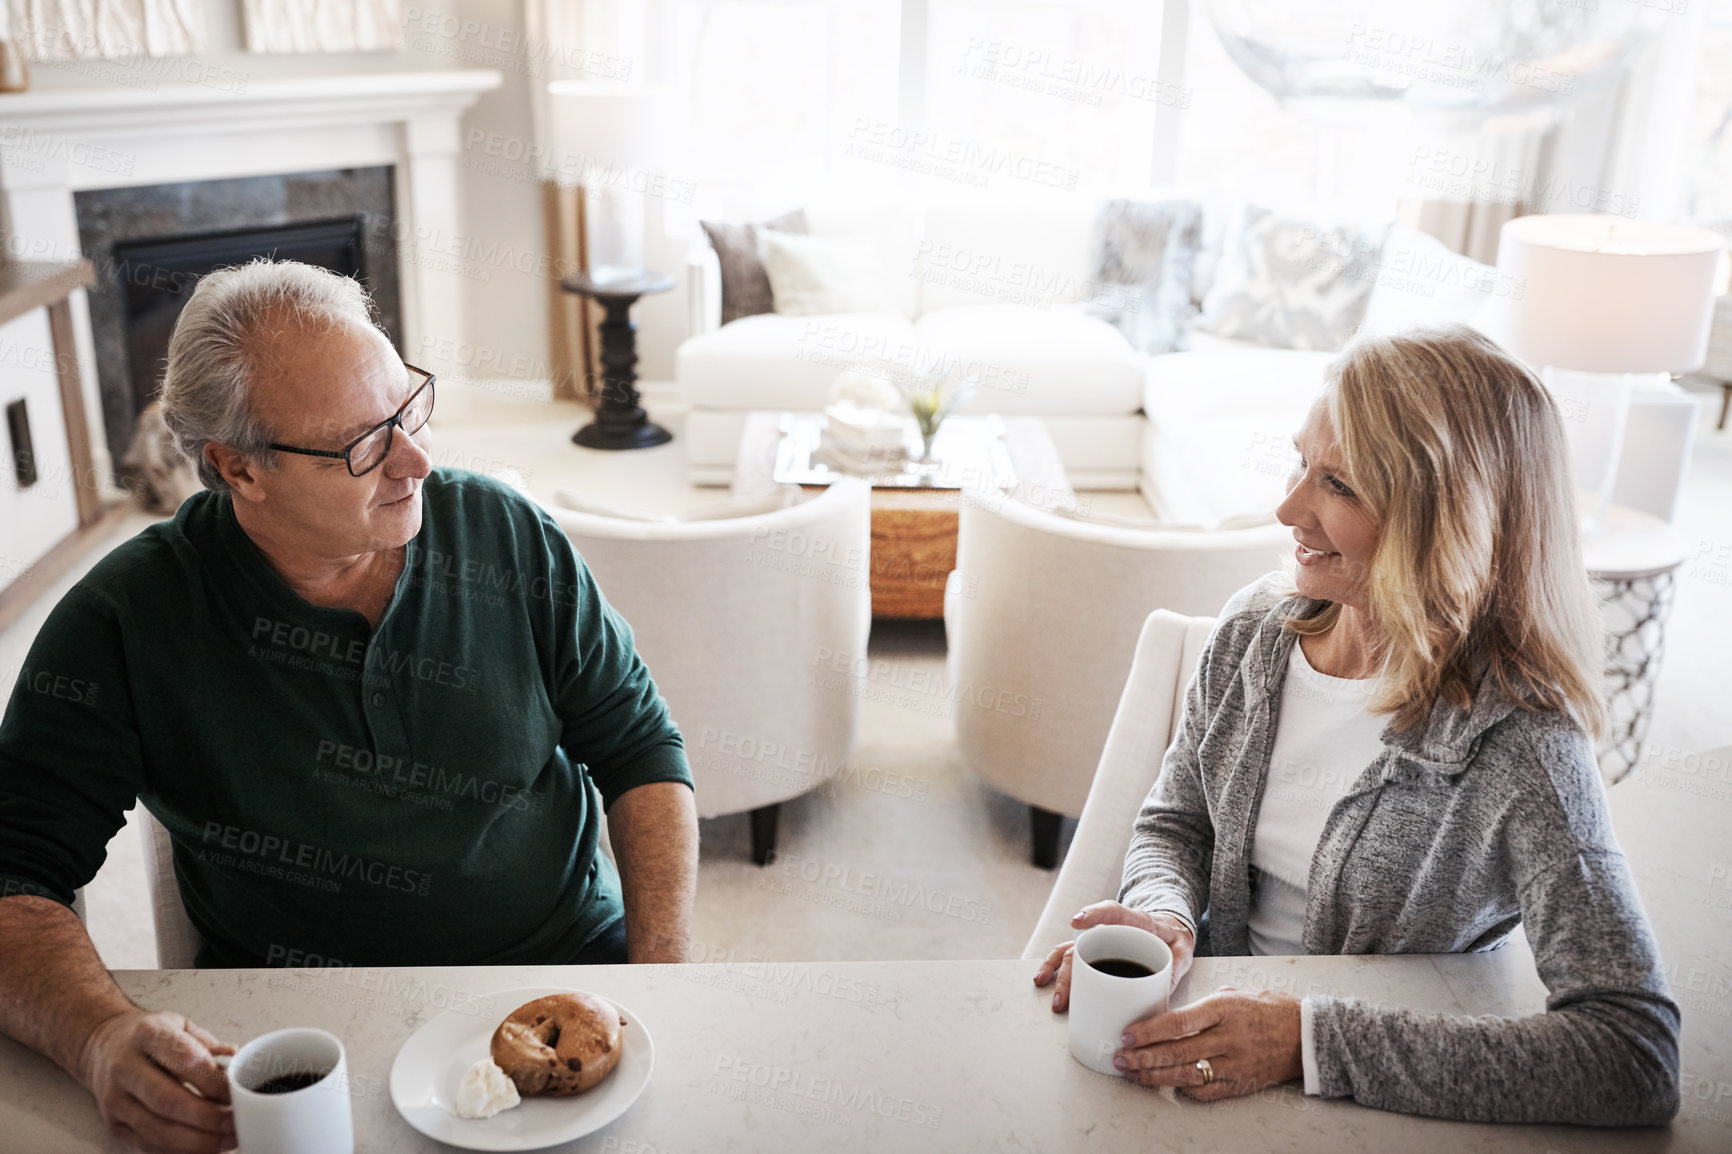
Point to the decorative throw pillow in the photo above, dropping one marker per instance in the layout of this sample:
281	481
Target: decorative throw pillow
1217	215
811	275
1290	282
1421	281
745	288
1145	254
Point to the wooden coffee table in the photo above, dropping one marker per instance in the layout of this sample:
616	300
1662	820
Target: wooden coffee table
914	530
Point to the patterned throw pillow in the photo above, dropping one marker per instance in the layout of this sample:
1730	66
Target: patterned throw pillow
1289	282
745	285
1145	254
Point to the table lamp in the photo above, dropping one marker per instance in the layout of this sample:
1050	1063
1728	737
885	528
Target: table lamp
607	138
1603	305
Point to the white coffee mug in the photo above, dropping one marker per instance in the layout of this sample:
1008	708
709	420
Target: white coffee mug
1101	1004
313	1120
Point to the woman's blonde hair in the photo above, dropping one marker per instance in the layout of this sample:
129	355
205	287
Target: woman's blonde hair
1458	454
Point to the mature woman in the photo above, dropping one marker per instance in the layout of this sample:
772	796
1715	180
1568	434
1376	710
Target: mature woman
1395	758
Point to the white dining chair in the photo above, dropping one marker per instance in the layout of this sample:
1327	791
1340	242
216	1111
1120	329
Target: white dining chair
754	629
177	942
1148	715
1041	618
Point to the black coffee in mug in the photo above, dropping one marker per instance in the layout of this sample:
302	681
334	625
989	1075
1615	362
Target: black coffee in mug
1122	968
287	1083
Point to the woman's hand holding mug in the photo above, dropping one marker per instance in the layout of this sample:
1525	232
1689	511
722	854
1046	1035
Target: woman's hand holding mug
1168	927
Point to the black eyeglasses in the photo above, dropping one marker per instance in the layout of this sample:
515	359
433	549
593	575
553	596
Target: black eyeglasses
368	451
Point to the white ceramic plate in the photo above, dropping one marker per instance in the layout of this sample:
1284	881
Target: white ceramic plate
431	1064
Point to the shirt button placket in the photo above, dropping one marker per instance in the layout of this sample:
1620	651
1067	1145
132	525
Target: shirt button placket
384	720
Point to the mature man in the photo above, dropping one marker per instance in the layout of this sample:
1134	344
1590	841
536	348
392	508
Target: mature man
371	701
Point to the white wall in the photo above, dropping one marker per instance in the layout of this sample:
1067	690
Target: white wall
506	311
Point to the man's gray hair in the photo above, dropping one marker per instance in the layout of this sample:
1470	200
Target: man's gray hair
213	356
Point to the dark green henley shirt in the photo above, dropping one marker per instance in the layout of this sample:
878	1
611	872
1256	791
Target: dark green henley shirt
418	794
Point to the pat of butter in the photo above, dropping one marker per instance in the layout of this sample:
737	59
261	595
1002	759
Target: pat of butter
485	1091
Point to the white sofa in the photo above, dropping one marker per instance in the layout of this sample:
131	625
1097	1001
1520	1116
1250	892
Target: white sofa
1001	291
996	290
1218	429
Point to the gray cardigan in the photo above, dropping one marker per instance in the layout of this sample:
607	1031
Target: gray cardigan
1455	834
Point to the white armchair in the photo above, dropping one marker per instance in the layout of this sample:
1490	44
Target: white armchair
1042	616
1147	717
755	631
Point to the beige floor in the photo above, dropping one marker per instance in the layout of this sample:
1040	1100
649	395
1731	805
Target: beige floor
960	840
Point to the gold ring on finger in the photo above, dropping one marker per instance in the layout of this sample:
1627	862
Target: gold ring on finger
1206	1070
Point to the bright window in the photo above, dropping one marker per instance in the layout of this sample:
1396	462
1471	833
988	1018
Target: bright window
1006	94
998	95
764	88
1707	192
1068	86
1239	139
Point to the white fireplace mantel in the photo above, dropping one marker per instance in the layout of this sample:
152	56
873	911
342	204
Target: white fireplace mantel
260	105
55	144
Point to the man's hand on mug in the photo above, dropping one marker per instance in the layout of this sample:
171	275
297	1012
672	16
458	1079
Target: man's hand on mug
139	1065
1167	927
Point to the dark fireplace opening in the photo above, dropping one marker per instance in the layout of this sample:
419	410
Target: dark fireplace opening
150	245
159	277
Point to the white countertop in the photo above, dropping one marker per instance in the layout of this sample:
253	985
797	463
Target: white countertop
972	1045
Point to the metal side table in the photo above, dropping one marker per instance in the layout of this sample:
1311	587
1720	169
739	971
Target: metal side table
1633	564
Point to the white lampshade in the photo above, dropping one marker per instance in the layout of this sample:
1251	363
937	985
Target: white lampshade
604	125
1606	294
609	139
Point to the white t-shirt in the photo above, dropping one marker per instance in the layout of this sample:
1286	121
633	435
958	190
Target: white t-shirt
1324	739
